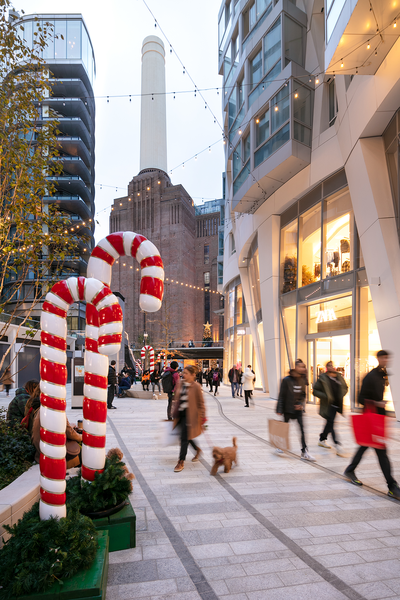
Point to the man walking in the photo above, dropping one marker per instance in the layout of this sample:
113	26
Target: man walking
371	396
330	388
169	381
290	402
234	380
111	383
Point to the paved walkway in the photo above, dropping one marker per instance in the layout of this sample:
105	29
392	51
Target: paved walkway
275	528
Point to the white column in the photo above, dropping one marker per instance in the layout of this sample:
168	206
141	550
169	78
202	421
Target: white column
268	248
370	192
153	122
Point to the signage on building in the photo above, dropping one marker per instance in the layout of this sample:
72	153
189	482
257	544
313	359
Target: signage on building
241	332
326	315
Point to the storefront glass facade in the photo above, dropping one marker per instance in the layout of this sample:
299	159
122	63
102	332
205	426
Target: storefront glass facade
326	307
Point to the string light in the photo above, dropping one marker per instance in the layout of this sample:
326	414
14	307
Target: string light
296	94
368	46
342	65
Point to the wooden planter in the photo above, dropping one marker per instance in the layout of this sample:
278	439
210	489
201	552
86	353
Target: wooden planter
85	585
121	528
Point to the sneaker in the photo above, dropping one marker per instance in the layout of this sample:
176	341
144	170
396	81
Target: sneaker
394	492
323	444
352	477
180	465
307	456
197	456
279	452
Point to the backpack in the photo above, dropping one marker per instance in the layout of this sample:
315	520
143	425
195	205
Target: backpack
167	382
215	376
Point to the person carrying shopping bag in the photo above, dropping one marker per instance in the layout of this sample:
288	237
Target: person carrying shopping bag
189	414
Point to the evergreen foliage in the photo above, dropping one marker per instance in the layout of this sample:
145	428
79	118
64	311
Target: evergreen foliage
16	451
38	553
108	489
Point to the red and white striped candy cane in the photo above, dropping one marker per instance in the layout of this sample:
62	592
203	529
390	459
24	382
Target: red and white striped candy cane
104	333
127	243
143	355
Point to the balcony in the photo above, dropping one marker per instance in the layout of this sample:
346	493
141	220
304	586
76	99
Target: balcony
359	35
69	108
72	203
281	140
74	165
74	186
75	146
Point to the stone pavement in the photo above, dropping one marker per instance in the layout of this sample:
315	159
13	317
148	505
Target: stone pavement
273	528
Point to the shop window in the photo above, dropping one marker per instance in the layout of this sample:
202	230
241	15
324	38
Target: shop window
289	336
239	305
338	235
294	45
280	109
369	342
333	108
262	128
333	315
272	46
289	257
256	69
231	308
310	246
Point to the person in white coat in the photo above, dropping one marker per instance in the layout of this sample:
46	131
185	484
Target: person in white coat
248	384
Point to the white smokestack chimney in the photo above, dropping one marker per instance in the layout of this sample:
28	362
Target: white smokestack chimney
153	123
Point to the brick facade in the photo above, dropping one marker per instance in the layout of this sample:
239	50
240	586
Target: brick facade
165	214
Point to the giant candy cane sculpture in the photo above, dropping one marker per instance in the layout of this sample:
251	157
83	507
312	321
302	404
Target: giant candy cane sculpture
103	337
143	355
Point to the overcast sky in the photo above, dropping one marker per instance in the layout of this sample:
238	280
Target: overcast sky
117	30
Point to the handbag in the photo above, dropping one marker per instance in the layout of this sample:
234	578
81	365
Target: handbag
25	420
170	436
369	429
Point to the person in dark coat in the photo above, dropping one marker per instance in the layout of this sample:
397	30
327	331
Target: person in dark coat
210	379
216	380
371	397
330	388
16	408
233	376
7	380
155	380
290	402
111	383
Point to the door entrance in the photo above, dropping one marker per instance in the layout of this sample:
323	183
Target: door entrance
323	349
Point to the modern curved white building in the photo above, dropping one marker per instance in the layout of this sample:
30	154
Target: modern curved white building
311	117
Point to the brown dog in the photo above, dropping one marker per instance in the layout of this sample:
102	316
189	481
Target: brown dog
224	456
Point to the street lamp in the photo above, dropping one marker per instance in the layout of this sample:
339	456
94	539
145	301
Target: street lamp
145	336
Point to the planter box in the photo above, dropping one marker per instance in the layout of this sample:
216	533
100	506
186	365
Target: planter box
121	528
85	585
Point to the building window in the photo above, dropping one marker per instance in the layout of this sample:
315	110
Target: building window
220	273
246	148
272	46
262	128
279	109
302	113
254	275
333	107
256	69
232	243
206	254
310	246
207	278
294	45
239	305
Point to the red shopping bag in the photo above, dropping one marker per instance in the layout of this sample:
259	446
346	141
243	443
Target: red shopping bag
369	429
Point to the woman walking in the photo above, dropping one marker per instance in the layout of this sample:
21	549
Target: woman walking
248	379
189	413
7	380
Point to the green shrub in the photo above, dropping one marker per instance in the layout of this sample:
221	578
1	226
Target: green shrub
108	489
38	553
16	450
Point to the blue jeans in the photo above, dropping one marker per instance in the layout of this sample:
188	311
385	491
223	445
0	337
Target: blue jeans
235	387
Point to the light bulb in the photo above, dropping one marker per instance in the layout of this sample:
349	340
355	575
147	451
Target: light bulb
276	109
296	95
317	81
368	46
240	132
257	120
395	24
342	64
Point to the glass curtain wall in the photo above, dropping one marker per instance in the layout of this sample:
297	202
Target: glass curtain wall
339	232
310	246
